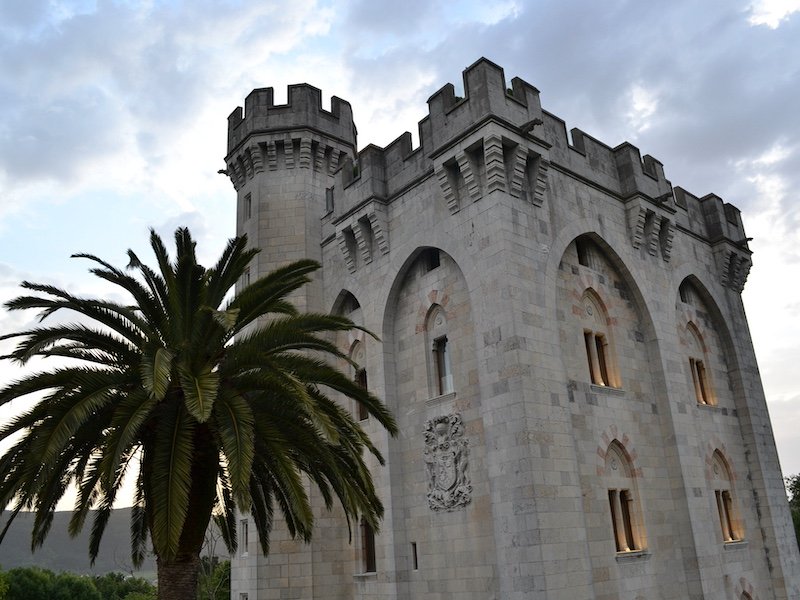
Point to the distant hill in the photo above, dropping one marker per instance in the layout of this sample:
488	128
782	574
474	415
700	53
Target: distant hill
63	553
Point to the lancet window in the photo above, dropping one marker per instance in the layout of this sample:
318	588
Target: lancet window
729	522
623	503
440	352
697	367
358	356
597	342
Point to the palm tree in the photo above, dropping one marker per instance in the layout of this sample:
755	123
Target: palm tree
212	406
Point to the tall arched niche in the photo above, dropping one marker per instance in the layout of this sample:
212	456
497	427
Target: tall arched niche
704	356
603	329
356	345
433	387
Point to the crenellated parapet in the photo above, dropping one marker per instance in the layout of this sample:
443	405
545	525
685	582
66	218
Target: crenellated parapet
299	134
485	96
494	139
302	111
720	223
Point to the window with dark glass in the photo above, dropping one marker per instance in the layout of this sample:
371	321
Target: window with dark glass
441	355
361	380
367	547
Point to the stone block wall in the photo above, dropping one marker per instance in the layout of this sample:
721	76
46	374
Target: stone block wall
582	300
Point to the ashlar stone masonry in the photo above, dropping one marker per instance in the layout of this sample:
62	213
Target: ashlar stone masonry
563	344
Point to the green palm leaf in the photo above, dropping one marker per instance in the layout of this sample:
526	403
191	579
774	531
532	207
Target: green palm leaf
235	424
155	371
170	477
225	408
199	392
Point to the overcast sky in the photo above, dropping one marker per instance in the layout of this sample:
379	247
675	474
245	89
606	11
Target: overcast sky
113	117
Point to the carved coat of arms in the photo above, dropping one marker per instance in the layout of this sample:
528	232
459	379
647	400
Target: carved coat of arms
446	457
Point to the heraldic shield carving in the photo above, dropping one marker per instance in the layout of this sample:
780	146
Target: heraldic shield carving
446	456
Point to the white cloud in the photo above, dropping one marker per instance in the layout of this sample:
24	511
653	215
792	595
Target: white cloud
772	12
772	313
643	104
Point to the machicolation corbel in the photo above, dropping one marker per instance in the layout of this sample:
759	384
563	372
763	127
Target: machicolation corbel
363	236
650	226
733	264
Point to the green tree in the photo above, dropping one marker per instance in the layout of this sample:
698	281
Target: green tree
30	583
225	406
149	595
69	586
116	586
215	579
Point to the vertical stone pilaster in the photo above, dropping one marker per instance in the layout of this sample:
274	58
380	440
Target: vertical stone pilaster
495	167
305	153
446	186
272	155
518	161
470	177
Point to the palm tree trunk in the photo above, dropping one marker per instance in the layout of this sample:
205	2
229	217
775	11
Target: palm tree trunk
177	579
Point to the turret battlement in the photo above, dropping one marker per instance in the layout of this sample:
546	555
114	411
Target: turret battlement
485	94
494	138
303	110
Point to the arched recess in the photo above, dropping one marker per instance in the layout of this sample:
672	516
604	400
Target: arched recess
431	367
705	345
745	590
563	257
354	344
617	256
593	279
701	294
429	276
431	307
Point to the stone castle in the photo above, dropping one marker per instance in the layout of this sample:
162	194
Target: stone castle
563	344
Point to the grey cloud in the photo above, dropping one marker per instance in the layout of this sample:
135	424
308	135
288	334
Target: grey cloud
727	91
400	18
18	15
48	140
120	69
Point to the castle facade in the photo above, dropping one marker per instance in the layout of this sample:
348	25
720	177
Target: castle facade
562	342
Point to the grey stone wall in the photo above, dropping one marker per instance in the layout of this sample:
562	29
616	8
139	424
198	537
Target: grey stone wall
503	483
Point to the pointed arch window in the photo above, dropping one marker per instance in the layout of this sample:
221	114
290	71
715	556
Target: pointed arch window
359	358
623	502
440	358
597	341
727	512
697	367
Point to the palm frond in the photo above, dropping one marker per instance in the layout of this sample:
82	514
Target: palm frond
235	424
170	477
192	393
